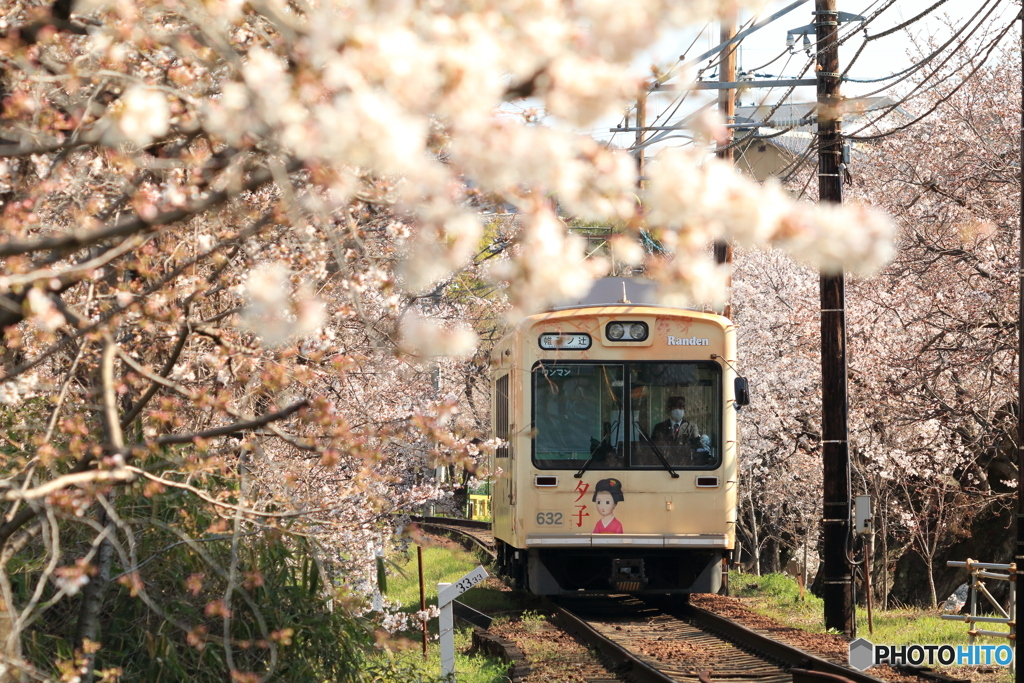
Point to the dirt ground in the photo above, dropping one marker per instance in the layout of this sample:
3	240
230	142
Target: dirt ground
554	655
833	647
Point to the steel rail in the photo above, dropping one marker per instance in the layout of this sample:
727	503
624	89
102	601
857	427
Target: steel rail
791	656
804	666
463	527
617	658
781	652
453	521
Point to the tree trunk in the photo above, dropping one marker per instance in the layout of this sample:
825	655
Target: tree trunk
804	583
929	560
885	555
10	641
92	600
770	555
96	589
755	543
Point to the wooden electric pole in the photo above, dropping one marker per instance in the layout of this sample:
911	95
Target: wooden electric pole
837	590
727	110
641	123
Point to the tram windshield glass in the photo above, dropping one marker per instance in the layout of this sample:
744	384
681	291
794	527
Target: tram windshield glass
580	415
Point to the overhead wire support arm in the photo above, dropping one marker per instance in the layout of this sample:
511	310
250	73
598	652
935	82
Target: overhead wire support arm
724	45
678	127
745	85
734	41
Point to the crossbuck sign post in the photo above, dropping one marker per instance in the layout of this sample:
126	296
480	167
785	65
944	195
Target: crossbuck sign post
446	593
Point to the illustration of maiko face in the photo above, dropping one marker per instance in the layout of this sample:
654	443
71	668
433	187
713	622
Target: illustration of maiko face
605	503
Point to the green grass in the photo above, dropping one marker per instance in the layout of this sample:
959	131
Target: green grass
906	626
778	596
439	565
468	668
445	565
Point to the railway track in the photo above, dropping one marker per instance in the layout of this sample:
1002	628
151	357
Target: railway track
667	640
661	641
651	645
479	533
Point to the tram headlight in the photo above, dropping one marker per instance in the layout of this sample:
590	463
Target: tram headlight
627	331
638	331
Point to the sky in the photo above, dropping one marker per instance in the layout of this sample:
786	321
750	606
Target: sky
762	50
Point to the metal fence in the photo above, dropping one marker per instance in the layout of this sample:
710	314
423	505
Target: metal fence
987	570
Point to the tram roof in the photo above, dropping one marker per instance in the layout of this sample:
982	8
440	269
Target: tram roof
618	291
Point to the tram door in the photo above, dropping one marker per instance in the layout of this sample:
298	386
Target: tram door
502	492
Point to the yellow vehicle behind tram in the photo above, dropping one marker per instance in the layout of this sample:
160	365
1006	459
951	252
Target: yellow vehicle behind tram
619	469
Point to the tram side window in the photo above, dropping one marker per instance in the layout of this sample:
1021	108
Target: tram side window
676	415
577	415
501	421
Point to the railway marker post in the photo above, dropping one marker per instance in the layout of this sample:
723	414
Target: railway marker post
446	594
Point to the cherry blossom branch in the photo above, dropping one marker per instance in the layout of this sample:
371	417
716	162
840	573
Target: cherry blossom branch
228	430
77	269
183	333
227	506
245	234
118	476
112	425
84	475
77	240
960	83
67	381
172	360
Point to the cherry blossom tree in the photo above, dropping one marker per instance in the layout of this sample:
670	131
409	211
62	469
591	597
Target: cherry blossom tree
775	310
945	309
931	341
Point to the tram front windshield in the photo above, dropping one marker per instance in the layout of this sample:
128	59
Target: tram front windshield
636	415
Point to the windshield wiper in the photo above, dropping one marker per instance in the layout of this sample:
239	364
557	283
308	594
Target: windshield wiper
603	446
657	452
585	466
595	447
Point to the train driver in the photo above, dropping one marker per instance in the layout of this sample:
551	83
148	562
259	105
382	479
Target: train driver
680	436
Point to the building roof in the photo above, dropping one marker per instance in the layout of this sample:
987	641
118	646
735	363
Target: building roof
801	115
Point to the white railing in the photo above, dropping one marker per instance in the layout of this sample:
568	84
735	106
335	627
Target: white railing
987	570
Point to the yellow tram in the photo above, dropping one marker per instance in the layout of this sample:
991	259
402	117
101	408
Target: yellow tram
619	471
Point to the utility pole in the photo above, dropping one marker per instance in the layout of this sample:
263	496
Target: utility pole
727	110
641	123
838	580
